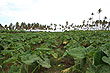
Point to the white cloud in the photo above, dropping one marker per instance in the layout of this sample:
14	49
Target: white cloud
56	11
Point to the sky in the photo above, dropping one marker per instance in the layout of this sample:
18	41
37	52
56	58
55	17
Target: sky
51	11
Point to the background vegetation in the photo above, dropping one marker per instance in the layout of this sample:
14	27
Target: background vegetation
90	24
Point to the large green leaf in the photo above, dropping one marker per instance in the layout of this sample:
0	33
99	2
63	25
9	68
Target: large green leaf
98	58
106	49
104	69
106	59
77	53
44	61
4	52
90	70
29	59
12	59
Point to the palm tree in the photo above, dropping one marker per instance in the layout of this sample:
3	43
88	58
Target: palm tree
1	27
48	27
10	26
13	27
108	26
92	17
44	26
83	22
99	11
33	26
104	22
62	27
68	28
66	24
89	26
96	23
6	27
92	14
37	25
22	25
17	26
59	24
72	25
29	26
105	18
51	26
55	25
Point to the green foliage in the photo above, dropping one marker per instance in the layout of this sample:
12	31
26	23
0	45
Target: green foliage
15	69
105	69
29	52
98	58
77	53
106	59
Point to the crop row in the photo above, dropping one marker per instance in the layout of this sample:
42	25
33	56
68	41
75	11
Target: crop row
31	52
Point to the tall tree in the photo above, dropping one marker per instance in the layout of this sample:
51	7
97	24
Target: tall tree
83	22
66	24
29	26
55	25
22	25
33	26
6	27
10	26
99	11
104	22
92	17
1	27
17	26
108	26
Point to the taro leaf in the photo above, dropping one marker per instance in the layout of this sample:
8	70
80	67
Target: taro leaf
72	44
0	66
65	53
15	69
1	47
1	58
106	49
90	51
55	55
104	69
78	53
35	40
29	59
4	52
106	59
12	59
98	58
16	45
90	70
107	52
45	62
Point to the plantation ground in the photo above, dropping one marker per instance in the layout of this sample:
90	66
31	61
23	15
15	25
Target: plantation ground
55	52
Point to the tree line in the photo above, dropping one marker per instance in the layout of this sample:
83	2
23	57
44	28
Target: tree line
90	24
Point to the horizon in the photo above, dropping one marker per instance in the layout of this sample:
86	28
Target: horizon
51	11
